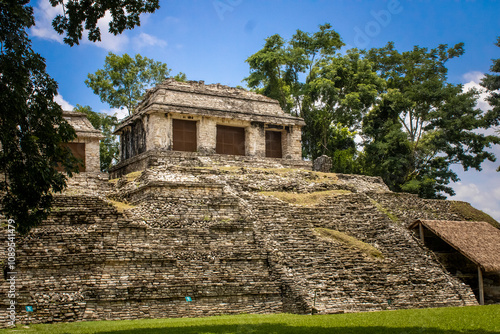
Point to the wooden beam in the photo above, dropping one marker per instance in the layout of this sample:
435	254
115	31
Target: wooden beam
481	287
421	231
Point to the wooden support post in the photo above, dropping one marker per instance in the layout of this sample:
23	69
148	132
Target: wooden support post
481	287
421	231
313	309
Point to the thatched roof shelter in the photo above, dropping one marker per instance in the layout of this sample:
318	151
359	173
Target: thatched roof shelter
478	241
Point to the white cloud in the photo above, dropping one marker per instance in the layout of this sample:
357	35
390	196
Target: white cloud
109	41
473	79
145	40
119	113
475	76
483	194
44	14
63	103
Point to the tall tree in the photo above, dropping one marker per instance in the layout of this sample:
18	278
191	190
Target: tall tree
330	91
125	14
275	70
387	153
31	123
339	92
439	120
108	146
267	72
491	82
123	80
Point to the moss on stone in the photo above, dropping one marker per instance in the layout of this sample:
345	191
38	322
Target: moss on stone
334	235
468	212
132	176
304	199
320	177
120	206
385	211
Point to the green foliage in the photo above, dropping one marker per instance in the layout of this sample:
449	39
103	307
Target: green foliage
337	91
387	153
345	86
340	90
423	124
350	242
109	146
181	77
123	80
415	124
443	320
85	14
31	124
491	82
275	69
268	71
335	140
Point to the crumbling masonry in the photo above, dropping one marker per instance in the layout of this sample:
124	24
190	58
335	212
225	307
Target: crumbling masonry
217	227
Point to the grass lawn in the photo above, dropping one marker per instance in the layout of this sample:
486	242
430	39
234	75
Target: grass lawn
473	319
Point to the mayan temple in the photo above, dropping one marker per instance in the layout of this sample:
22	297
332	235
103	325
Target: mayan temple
211	210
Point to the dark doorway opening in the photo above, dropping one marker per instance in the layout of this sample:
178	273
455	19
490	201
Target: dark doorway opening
230	140
273	144
78	151
184	135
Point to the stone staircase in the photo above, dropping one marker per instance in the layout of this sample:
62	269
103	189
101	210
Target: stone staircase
89	262
211	236
345	279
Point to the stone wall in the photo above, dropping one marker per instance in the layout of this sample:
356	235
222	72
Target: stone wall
194	159
198	95
293	148
92	157
89	262
132	140
155	133
210	234
150	127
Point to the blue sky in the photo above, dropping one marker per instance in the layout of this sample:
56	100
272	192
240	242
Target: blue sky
210	39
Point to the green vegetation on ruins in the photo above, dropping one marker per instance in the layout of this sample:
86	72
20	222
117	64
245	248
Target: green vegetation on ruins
120	206
472	214
349	241
132	176
451	320
385	211
415	124
304	199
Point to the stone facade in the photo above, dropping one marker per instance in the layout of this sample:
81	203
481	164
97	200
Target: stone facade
89	137
151	127
323	164
213	234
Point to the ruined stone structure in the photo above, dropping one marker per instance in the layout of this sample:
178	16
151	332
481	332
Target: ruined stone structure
86	145
224	220
223	237
204	120
322	164
470	250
